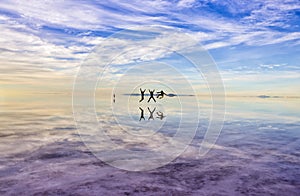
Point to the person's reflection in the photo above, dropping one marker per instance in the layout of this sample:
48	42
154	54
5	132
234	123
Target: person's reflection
142	114
160	115
151	113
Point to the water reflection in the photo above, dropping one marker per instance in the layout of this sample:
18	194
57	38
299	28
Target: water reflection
160	115
34	123
151	113
142	114
259	143
46	117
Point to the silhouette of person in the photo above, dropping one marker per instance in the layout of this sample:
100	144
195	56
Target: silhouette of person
114	98
142	114
151	113
161	94
160	115
151	96
142	94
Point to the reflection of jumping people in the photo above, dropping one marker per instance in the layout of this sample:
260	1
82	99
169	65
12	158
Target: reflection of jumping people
160	115
151	113
142	114
142	94
151	95
161	94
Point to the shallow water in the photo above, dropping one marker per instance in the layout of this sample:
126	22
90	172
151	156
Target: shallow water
257	152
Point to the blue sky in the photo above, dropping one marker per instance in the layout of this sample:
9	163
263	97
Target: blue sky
256	44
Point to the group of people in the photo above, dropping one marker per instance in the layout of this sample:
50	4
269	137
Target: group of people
160	95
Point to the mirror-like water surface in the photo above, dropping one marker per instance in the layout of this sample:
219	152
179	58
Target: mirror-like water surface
257	150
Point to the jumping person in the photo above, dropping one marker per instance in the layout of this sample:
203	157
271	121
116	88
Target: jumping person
151	96
151	113
161	94
142	94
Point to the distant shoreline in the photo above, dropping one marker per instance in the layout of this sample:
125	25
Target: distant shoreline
169	95
256	96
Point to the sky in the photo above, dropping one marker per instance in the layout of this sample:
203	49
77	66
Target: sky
255	44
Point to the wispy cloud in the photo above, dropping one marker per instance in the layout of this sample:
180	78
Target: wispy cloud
42	37
235	21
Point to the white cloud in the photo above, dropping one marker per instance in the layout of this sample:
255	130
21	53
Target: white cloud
185	3
89	16
271	66
216	45
242	76
24	42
